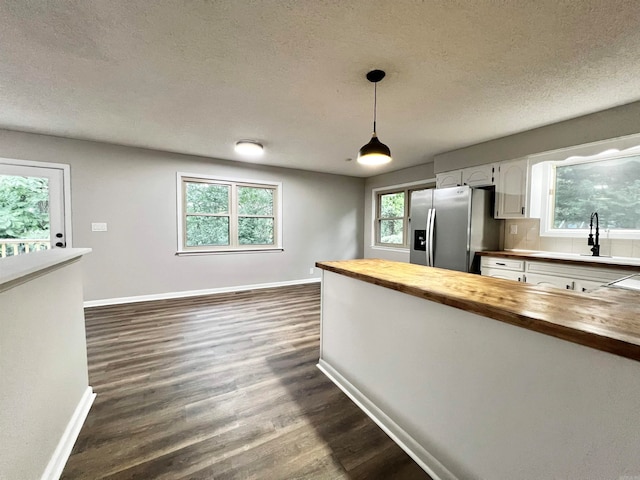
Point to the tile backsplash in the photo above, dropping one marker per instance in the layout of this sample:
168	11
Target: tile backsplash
524	234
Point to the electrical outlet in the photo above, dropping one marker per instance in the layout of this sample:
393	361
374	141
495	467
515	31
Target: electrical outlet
311	271
513	229
98	227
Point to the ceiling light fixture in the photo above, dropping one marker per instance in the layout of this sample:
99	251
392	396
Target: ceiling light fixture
249	148
375	152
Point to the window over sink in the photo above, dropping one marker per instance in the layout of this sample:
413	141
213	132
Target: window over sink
607	183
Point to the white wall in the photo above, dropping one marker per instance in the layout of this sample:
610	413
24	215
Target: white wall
43	371
399	177
611	123
134	191
484	399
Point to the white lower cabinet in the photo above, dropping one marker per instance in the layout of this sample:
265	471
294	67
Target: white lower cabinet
567	277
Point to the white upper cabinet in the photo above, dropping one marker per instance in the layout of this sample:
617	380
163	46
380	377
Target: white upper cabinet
511	189
449	179
480	176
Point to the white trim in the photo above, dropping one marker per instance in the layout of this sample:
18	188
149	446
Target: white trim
611	145
405	441
390	249
194	293
65	445
229	251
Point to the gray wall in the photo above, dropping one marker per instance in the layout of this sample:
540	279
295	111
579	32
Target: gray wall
399	177
611	123
134	191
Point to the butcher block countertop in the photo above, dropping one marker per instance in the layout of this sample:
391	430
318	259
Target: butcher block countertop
606	319
618	263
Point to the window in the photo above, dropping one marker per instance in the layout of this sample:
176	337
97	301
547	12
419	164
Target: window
577	188
218	215
392	218
391	215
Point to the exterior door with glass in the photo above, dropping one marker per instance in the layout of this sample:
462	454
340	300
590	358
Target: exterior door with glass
32	209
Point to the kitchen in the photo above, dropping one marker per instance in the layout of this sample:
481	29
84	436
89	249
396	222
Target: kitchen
132	101
586	295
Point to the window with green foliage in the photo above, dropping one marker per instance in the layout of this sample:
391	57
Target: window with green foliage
222	215
24	207
610	187
391	215
392	218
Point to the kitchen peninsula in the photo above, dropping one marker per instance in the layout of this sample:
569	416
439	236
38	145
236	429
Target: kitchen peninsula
477	377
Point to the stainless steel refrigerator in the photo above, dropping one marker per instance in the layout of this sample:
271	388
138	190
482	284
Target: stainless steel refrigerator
449	225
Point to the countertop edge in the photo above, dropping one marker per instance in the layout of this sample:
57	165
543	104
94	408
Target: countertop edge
18	269
587	335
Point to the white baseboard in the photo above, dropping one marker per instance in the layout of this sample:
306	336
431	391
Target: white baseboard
194	293
65	445
405	441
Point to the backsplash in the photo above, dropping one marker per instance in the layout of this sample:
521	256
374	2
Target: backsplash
527	237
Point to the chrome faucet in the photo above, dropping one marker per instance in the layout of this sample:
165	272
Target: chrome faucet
595	244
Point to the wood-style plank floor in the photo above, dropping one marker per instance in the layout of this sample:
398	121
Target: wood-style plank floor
222	387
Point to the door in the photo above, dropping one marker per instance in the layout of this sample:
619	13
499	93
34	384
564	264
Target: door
451	223
421	203
32	209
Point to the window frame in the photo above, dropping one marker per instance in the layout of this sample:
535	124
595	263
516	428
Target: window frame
233	214
548	185
407	189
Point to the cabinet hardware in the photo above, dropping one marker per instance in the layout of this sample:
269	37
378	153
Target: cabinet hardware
502	264
523	210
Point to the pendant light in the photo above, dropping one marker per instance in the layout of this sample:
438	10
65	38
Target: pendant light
375	152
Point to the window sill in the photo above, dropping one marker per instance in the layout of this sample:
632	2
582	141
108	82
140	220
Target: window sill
604	234
187	253
390	249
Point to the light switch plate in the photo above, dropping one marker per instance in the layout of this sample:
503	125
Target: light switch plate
98	227
513	229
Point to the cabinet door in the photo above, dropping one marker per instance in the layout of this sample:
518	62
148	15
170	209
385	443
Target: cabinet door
550	281
504	274
480	176
449	179
511	189
586	285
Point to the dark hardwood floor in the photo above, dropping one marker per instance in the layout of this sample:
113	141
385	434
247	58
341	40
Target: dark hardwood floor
222	387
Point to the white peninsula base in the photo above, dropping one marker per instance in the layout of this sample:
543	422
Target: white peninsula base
470	397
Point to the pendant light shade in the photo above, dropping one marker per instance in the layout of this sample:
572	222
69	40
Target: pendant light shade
375	152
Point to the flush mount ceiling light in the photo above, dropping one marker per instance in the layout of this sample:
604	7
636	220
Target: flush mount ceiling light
375	152
249	148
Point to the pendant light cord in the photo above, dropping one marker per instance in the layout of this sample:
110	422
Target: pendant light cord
375	105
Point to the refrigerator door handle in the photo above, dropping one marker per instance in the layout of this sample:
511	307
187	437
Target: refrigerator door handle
432	214
426	237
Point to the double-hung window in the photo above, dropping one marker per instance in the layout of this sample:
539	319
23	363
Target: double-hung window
222	215
391	214
392	218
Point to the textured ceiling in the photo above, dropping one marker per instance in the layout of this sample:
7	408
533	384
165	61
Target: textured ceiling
194	76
